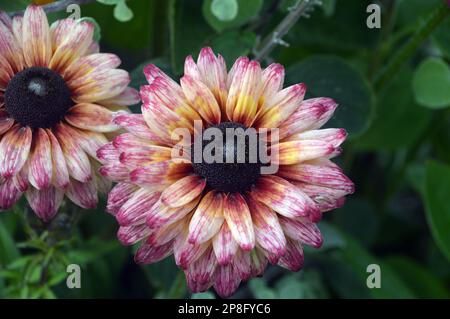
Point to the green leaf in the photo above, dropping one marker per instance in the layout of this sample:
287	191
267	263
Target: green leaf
233	44
442	37
358	258
8	249
437	190
203	295
122	12
246	11
109	2
97	30
224	10
328	7
399	120
357	212
432	83
260	290
8	5
424	283
184	13
330	76
415	174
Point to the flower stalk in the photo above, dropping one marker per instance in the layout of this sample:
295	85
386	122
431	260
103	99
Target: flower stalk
403	55
271	41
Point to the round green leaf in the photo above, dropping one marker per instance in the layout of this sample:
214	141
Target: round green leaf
330	76
399	120
245	11
432	83
233	44
122	12
437	190
224	10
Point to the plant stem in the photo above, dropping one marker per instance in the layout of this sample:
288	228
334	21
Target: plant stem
54	7
422	33
274	39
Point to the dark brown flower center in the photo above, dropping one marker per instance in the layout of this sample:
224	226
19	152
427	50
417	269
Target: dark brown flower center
228	176
37	97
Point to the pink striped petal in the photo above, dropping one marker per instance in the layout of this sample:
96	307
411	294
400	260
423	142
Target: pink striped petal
129	235
281	106
310	115
213	72
224	245
45	202
183	191
147	254
283	197
202	99
108	153
272	79
95	62
139	158
91	117
60	172
8	50
135	210
244	92
325	198
165	234
226	281
334	136
77	161
37	48
90	141
115	172
239	220
161	215
293	152
21	179
293	258
74	44
15	148
136	125
159	174
128	97
326	176
120	193
128	142
185	253
200	274
303	230
268	232
40	160
82	194
9	194
243	264
207	219
98	86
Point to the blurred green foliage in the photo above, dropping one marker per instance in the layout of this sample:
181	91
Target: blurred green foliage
397	155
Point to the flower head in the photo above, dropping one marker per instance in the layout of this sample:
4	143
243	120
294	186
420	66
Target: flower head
224	221
58	96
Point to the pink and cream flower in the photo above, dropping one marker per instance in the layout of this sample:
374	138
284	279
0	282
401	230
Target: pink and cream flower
58	96
224	222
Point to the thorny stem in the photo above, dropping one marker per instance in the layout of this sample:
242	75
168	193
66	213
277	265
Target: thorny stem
403	55
301	8
54	7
